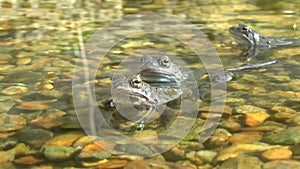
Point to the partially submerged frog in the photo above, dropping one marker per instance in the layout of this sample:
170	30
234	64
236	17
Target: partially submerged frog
161	70
135	102
244	35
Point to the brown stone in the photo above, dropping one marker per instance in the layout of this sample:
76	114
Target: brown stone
279	153
28	160
64	139
49	118
245	137
137	164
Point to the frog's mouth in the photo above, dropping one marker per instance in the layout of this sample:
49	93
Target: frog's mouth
153	75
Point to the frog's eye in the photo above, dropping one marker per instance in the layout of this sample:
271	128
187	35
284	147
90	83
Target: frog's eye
165	61
135	82
244	29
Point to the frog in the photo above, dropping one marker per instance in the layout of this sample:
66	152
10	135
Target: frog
244	35
161	70
135	104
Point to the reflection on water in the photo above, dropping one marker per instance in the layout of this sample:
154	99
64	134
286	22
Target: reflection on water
38	53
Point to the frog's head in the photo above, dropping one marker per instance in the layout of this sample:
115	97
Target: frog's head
160	70
134	90
243	34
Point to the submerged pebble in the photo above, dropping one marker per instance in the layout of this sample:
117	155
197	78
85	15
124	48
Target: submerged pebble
14	90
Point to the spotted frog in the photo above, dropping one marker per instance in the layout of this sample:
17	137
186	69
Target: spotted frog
244	35
136	103
161	70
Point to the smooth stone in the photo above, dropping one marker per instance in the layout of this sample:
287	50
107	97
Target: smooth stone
66	139
95	156
82	141
282	164
6	157
23	61
238	86
25	54
235	101
191	156
14	90
146	136
98	146
8	143
135	149
296	149
174	154
7	165
10	123
232	126
218	139
34	137
240	149
295	120
112	164
246	137
59	153
6	68
279	153
23	77
190	146
242	162
20	150
137	164
206	155
227	110
36	105
69	122
28	160
6	103
288	136
254	116
49	119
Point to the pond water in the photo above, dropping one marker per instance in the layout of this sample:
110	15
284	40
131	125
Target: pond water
53	54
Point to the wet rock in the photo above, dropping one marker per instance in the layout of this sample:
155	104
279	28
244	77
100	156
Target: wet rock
25	54
240	149
296	149
7	165
279	153
218	139
232	125
235	101
182	164
174	154
137	164
6	103
242	162
282	164
20	150
34	137
23	77
28	160
8	143
69	122
10	123
93	156
294	119
82	141
23	61
206	155
112	164
289	136
59	153
246	137
49	119
238	86
190	146
254	116
36	105
135	149
6	157
191	156
64	139
14	90
146	136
